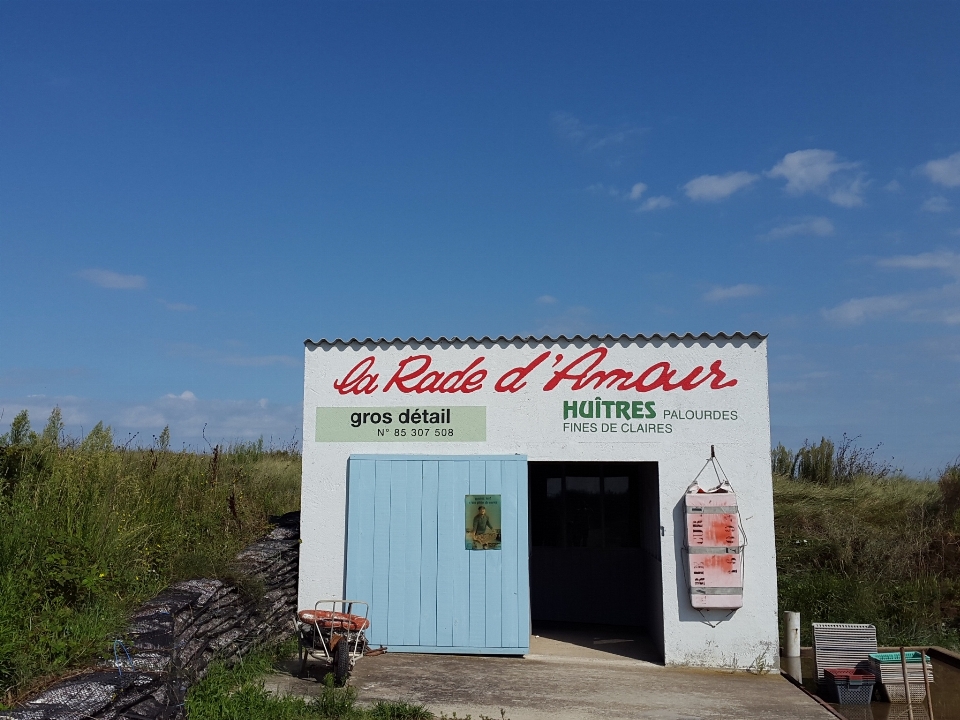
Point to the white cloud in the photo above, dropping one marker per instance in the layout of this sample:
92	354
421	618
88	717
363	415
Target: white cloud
936	204
546	300
812	170
591	138
185	395
113	281
945	260
718	294
893	186
936	305
849	194
819	226
656	203
945	171
635	193
718	187
807	170
855	311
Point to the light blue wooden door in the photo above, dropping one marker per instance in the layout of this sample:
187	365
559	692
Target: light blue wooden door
406	553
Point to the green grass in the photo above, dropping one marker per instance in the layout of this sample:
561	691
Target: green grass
89	530
237	693
874	548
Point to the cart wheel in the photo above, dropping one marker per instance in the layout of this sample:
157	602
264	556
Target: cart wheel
341	661
302	657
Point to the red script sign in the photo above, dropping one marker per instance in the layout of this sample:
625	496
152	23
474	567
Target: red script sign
413	375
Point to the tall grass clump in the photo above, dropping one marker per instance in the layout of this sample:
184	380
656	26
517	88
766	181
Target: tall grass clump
829	464
860	542
88	530
236	692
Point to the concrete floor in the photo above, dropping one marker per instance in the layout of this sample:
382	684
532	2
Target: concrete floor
570	674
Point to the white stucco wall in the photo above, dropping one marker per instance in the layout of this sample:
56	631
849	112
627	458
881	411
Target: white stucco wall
530	421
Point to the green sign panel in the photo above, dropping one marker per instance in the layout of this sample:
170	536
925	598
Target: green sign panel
402	424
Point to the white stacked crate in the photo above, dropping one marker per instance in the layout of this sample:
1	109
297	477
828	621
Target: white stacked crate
843	645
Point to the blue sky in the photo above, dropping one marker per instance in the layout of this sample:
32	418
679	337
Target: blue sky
187	191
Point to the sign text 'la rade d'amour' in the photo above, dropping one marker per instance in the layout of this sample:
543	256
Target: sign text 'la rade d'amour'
586	372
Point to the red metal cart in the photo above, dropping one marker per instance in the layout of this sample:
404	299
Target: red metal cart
334	632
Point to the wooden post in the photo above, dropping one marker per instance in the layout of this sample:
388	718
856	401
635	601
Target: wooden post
926	681
906	682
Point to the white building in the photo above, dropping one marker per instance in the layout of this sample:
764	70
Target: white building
581	451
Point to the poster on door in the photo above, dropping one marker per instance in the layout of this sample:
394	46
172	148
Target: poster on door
482	515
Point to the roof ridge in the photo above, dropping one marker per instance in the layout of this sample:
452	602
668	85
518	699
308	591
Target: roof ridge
427	340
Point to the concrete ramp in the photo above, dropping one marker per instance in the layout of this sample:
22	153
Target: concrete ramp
570	686
571	673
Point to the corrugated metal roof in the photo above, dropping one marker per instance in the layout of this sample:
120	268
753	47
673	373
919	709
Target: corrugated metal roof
529	339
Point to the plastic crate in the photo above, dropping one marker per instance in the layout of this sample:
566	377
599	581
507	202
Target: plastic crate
849	686
911	656
895	692
900	712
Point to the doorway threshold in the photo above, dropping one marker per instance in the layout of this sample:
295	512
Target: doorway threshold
587	641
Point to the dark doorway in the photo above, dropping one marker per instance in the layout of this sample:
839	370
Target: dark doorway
595	544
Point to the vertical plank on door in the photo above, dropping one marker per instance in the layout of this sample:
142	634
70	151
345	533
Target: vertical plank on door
411	559
398	547
461	581
380	597
493	610
523	559
360	529
510	630
429	561
448	551
478	565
